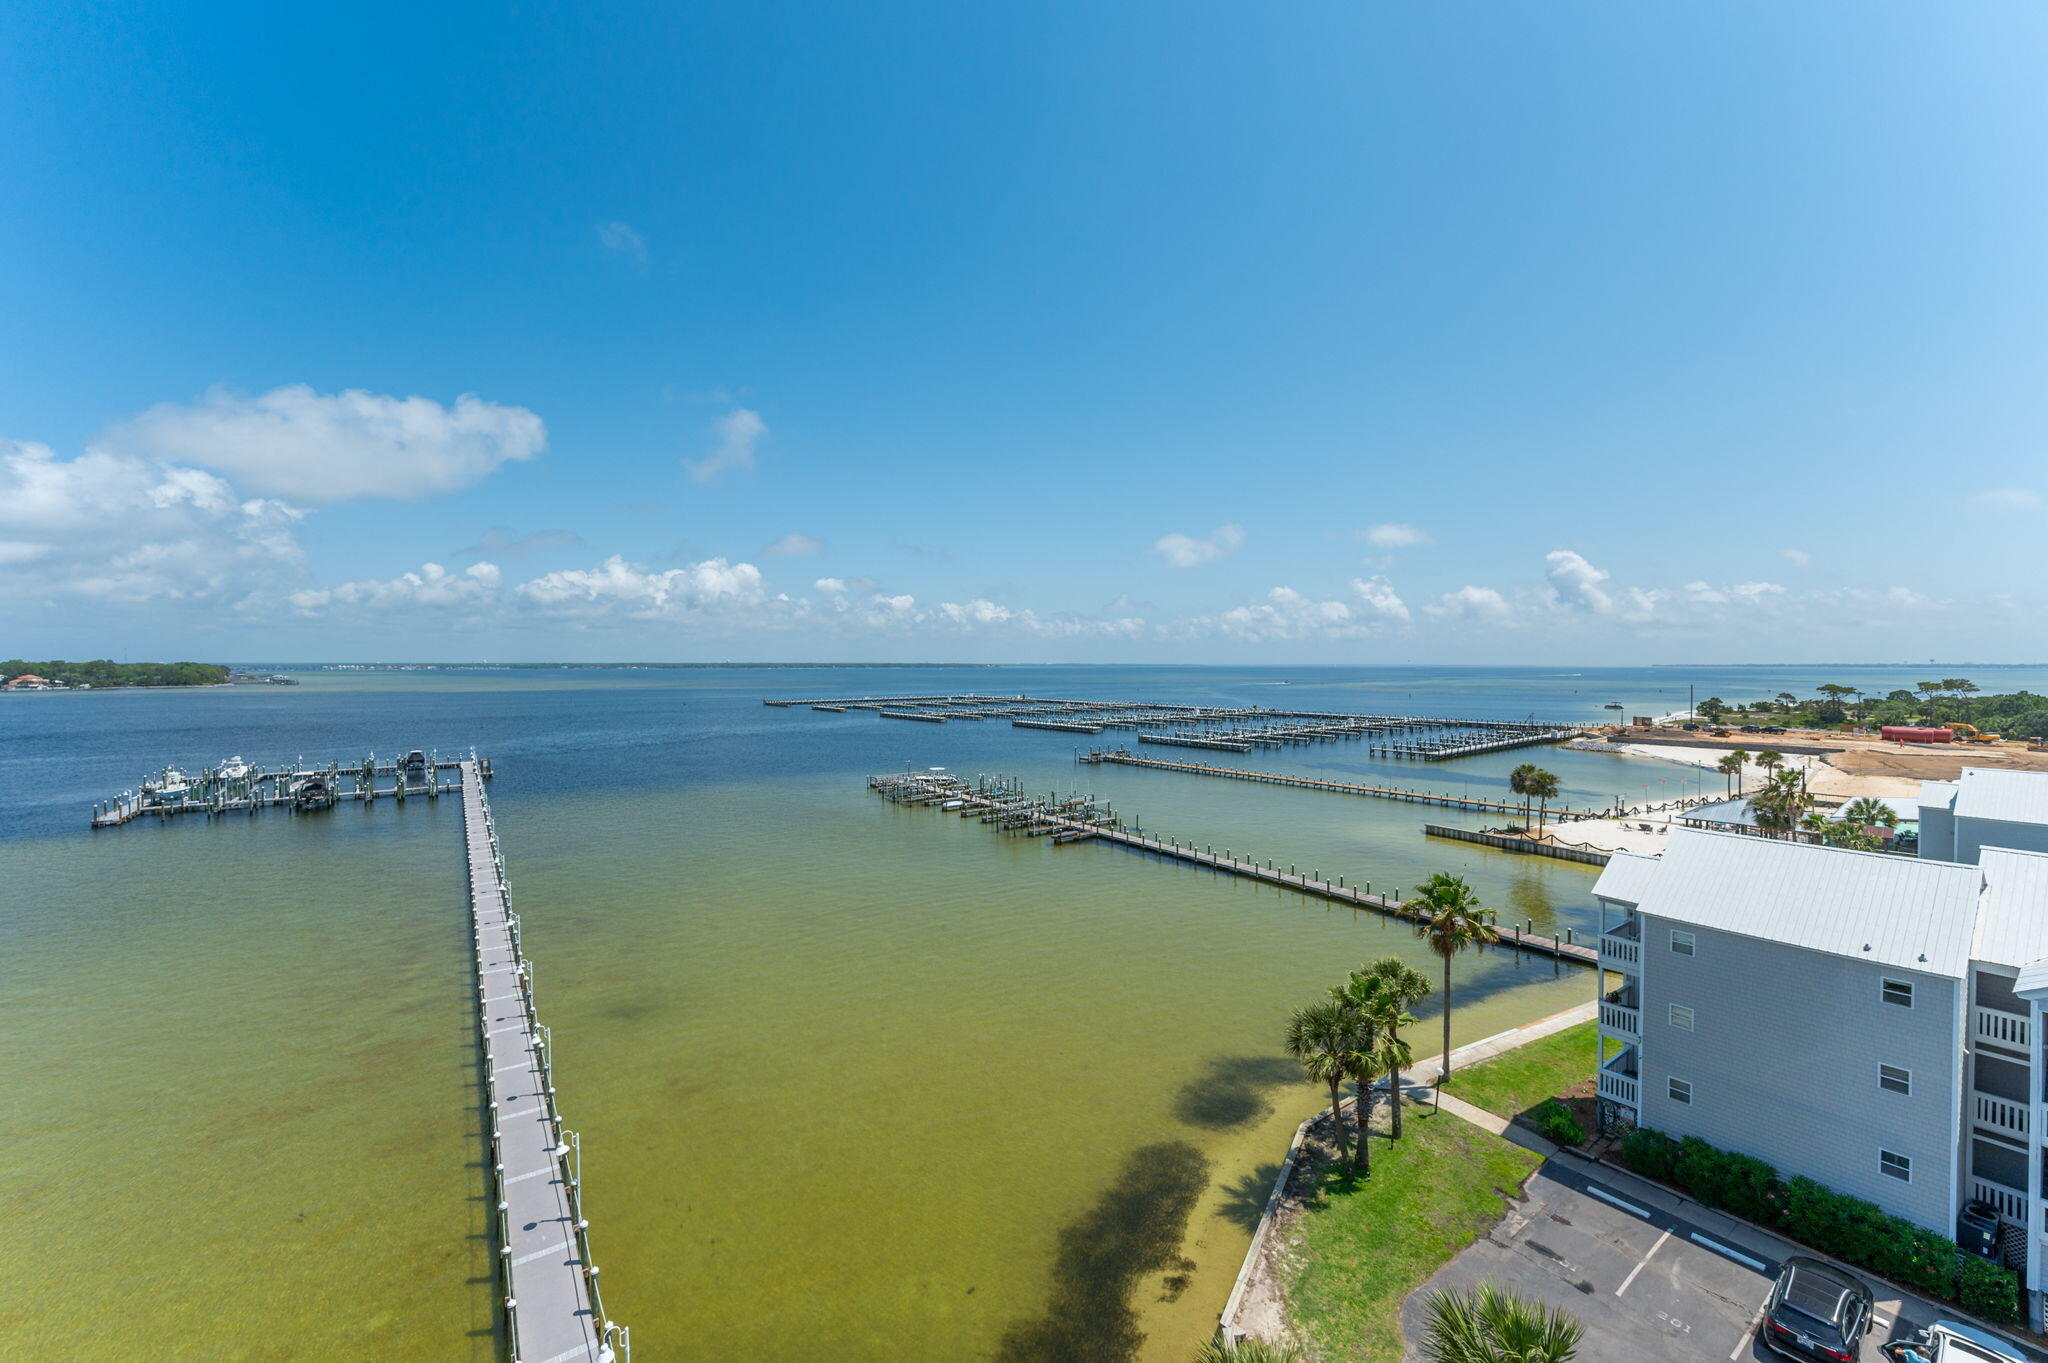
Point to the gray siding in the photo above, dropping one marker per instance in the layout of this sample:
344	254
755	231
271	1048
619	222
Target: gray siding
1938	833
1783	1061
1974	835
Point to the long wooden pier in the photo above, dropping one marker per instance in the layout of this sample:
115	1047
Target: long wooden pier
235	787
1096	824
1123	758
553	1313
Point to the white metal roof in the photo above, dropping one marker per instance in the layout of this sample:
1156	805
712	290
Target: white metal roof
2009	796
1626	878
1868	906
1937	794
2012	922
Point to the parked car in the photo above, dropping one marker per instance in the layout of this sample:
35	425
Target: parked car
1772	729
1690	728
1817	1311
1751	729
1948	1341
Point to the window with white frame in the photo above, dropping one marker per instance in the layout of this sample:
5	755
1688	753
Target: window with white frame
1681	943
1680	1017
1894	1165
1680	1091
1899	992
1895	1078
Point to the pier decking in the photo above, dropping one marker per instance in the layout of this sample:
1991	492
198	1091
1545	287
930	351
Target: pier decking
548	1286
1079	818
1123	758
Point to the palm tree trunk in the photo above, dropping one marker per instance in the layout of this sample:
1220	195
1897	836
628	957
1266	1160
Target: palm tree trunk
1394	1092
1337	1120
1444	1077
1362	1161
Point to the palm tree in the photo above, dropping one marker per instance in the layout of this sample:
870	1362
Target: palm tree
1452	919
1369	1064
1781	803
1397	987
1730	765
1324	1037
1870	812
1518	782
1487	1325
1543	785
1770	759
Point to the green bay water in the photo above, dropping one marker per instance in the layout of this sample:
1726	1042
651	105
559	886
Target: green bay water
854	1081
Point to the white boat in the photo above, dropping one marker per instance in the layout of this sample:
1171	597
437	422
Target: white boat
234	769
172	782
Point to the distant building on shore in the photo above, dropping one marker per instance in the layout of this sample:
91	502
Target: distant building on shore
29	681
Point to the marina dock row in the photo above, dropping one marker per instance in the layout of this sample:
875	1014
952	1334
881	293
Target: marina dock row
1426	738
1124	758
1082	818
234	787
553	1310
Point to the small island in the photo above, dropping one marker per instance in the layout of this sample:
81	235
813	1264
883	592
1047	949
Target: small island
17	674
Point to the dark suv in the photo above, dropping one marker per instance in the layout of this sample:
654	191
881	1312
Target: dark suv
1817	1311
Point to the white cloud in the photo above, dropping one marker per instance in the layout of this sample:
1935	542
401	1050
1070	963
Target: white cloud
1468	602
1798	558
615	586
621	240
1578	585
831	586
1185	551
795	544
1380	598
738	432
109	527
1395	535
430	588
311	447
2011	499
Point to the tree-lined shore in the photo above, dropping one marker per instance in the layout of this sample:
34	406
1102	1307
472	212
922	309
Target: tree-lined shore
101	672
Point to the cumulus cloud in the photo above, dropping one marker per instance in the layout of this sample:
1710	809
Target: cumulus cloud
621	240
1577	584
1395	535
2011	499
505	542
1377	597
1185	551
618	587
737	433
431	588
109	527
313	447
795	544
1469	602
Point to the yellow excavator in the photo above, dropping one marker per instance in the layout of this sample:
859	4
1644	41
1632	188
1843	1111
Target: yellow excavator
1970	733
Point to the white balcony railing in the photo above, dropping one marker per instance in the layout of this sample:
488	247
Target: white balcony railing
1616	1017
2011	1205
1622	1088
2001	1115
2001	1028
1624	952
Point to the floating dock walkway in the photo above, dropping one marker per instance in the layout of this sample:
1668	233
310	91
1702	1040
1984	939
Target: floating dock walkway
1079	818
554	1312
1124	758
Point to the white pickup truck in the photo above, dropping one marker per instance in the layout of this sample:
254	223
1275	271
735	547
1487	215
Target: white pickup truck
1948	1341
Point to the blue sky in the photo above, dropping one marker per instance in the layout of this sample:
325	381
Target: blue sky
1320	332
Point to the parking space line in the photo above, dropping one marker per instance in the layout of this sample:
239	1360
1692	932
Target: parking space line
1737	1255
1640	1262
1749	1330
1605	1196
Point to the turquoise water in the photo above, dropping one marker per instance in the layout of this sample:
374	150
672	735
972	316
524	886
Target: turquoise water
844	1072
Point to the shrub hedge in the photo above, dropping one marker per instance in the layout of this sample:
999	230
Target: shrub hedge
1556	1122
1852	1230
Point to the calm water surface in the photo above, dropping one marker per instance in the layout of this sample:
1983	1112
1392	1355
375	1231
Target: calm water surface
844	1072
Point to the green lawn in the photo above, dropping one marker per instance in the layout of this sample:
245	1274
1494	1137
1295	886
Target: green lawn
1363	1247
1521	1078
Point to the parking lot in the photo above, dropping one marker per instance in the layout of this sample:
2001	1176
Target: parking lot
1652	1277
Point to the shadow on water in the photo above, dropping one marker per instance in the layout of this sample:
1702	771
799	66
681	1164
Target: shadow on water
1134	1229
1231	1090
1244	1199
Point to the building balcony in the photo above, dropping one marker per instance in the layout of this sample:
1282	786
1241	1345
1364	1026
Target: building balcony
2000	1114
1618	1079
2011	1205
1621	947
1997	1027
1620	1014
